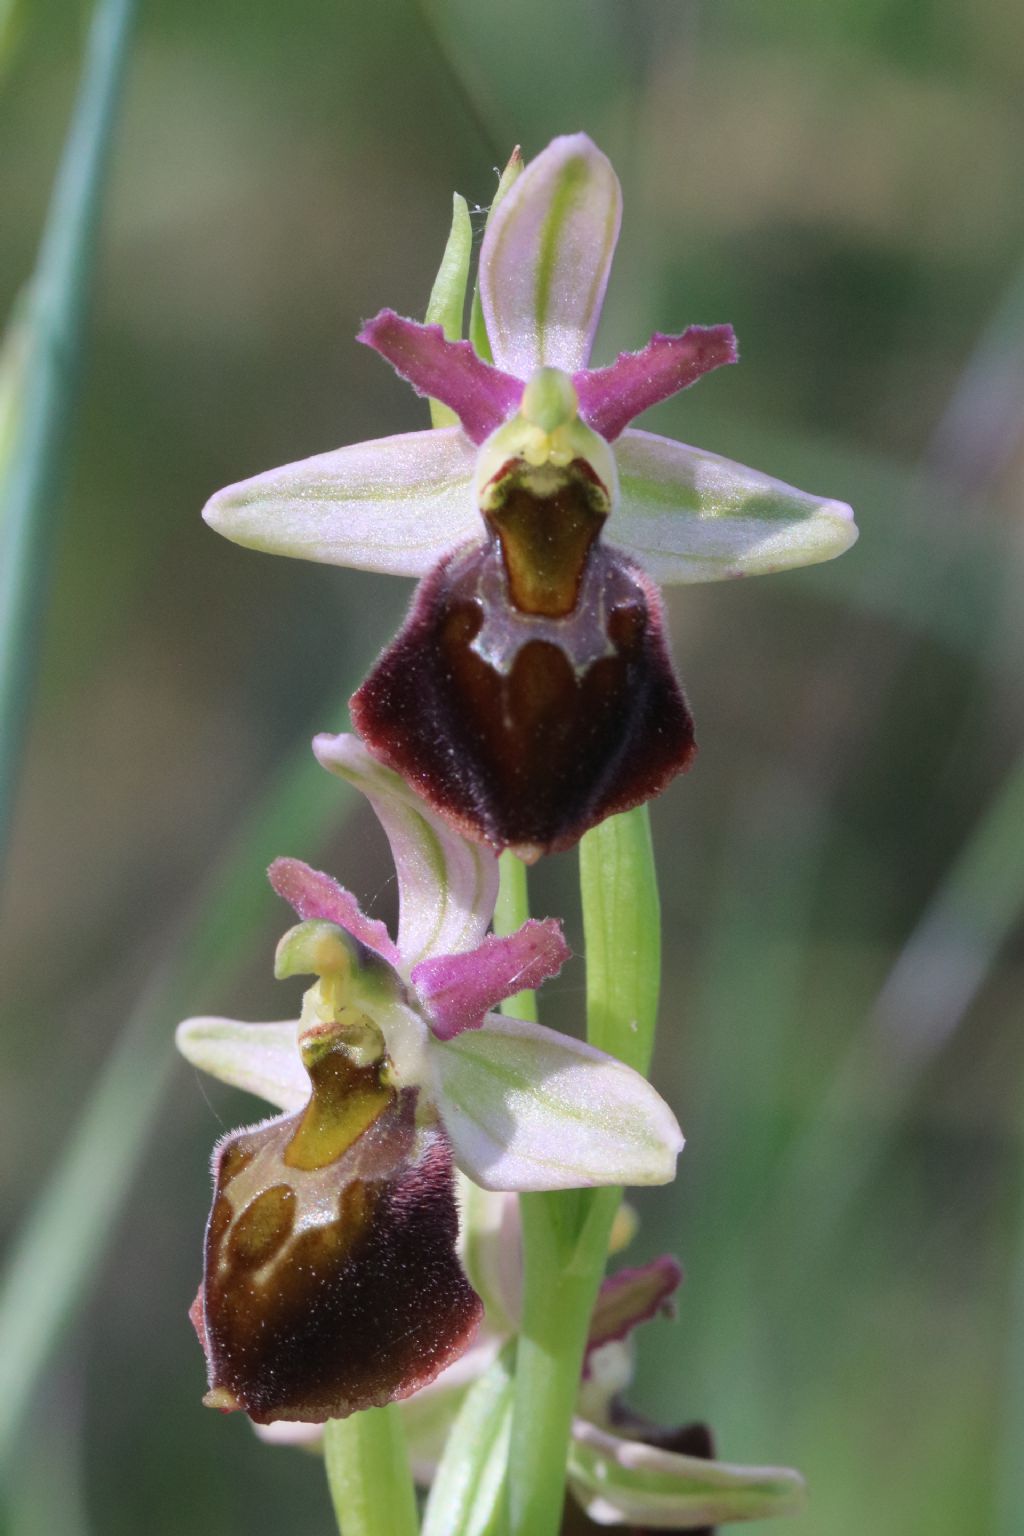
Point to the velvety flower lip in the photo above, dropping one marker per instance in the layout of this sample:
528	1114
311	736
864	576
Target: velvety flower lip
331	1278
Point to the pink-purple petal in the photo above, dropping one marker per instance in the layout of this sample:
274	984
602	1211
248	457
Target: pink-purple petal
631	1297
457	990
450	371
546	256
316	895
611	397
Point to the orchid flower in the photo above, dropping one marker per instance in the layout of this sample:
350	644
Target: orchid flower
331	1281
622	1470
530	693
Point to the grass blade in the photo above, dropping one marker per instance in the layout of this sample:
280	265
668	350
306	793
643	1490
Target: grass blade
55	314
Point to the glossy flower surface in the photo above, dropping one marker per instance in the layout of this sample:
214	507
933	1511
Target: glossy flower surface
530	693
331	1280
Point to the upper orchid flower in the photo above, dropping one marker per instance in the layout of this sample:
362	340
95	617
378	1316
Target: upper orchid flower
331	1280
530	693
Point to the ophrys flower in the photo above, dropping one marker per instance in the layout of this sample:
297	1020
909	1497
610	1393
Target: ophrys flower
331	1279
530	693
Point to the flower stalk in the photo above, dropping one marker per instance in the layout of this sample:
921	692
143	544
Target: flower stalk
566	1232
368	1475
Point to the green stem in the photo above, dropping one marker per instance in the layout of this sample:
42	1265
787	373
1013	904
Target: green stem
565	1244
566	1233
54	322
368	1474
622	936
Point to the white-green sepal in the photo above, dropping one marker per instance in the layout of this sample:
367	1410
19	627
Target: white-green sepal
395	504
624	1482
546	256
527	1108
446	885
690	516
263	1059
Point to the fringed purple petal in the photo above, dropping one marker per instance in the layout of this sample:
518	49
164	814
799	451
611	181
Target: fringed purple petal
631	1297
457	990
611	397
546	256
450	371
315	895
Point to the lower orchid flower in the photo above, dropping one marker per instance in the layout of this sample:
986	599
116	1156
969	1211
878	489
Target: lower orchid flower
331	1280
530	693
623	1471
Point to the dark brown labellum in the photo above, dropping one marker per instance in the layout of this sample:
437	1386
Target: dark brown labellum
527	726
331	1281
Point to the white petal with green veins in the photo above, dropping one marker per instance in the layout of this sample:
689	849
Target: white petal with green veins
689	516
624	1482
546	256
447	886
395	504
263	1059
527	1108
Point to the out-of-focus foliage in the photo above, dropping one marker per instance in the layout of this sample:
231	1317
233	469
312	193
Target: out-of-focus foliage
842	183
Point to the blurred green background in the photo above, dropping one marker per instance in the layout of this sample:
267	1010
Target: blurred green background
843	870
